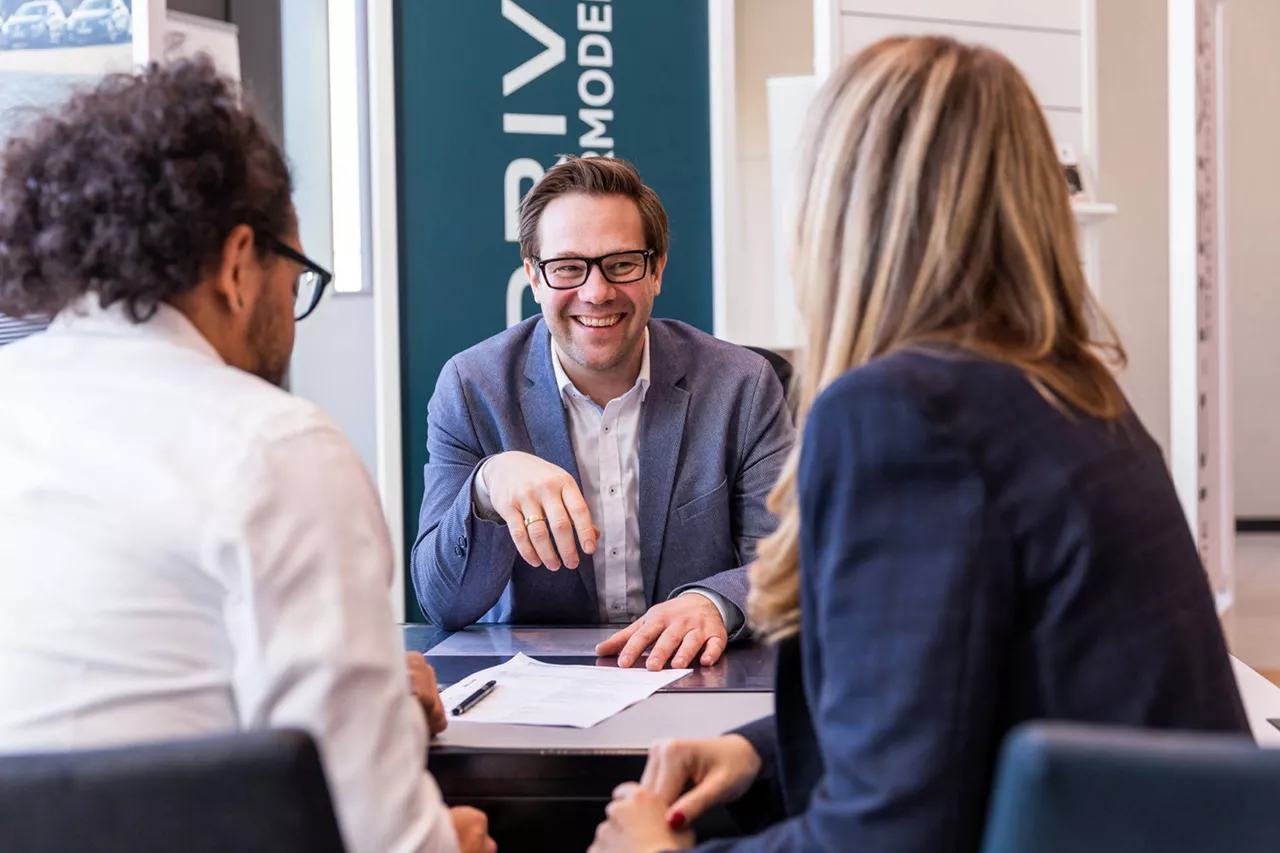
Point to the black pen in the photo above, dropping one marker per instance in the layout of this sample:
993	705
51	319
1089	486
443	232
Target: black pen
474	699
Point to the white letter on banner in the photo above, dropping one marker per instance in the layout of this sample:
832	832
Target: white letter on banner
584	87
515	296
534	124
595	23
596	119
517	171
540	64
587	59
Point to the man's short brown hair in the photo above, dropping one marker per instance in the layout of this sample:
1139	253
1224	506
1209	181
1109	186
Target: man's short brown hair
592	176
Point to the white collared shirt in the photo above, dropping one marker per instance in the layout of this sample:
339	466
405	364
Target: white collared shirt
187	550
606	446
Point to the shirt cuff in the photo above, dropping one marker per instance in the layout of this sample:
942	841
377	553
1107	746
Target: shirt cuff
729	611
481	505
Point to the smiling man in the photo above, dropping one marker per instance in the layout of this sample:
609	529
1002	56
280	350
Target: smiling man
595	465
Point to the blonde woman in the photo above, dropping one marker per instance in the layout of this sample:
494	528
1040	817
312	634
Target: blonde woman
975	528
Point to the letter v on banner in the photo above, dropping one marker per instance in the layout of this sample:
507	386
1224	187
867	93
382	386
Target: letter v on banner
534	68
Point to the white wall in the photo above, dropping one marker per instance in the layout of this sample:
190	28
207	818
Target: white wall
1043	38
774	38
1133	169
1051	43
1130	161
333	356
1133	121
1253	248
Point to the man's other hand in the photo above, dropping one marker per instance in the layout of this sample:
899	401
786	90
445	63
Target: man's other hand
678	630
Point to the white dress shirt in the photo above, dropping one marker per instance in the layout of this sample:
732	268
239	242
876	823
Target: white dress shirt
606	446
186	550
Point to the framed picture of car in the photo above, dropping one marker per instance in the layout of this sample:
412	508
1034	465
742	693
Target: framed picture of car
48	47
42	24
35	23
100	22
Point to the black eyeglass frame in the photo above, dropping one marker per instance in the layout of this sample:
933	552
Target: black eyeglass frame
647	254
297	257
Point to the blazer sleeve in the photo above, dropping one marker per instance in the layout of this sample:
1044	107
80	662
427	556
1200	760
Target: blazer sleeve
907	590
461	563
766	441
762	804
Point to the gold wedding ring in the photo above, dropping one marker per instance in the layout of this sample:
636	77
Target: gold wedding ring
530	519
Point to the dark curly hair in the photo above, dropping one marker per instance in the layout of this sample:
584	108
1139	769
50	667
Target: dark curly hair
131	188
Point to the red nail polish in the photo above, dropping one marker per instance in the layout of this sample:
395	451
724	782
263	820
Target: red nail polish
677	821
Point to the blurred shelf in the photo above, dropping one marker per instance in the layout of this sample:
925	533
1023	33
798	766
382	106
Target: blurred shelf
1092	212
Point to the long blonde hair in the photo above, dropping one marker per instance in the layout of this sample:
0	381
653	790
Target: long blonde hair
931	208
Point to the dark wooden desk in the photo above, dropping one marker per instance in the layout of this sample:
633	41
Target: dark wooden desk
546	788
746	668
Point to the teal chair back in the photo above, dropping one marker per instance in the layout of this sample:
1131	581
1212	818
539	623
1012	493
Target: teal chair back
783	370
1064	788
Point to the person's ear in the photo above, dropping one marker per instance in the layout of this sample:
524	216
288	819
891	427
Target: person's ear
232	283
657	266
531	272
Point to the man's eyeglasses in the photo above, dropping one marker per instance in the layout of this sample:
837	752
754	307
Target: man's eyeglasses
617	268
310	285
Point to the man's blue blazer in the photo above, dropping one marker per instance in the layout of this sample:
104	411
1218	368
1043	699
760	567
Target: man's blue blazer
714	434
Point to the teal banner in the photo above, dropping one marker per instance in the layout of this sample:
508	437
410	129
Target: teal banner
489	94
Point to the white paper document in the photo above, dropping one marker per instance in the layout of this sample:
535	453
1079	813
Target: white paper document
532	693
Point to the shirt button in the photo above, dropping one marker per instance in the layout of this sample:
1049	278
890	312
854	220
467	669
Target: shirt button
606	429
462	541
457	549
613	489
614	552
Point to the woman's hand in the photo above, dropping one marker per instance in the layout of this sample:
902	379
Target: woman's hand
636	822
720	769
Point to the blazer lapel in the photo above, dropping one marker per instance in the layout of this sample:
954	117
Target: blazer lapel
544	418
662	419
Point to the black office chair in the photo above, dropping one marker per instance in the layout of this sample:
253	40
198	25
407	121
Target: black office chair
782	368
1087	789
261	792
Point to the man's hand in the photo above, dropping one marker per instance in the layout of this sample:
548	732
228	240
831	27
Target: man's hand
683	626
522	486
720	770
422	683
472	828
635	823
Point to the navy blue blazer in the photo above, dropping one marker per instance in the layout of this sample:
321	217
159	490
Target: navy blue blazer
714	434
971	557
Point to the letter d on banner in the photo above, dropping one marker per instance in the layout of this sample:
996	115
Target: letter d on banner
515	296
518	171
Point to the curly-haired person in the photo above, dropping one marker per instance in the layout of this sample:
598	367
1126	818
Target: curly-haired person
188	549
